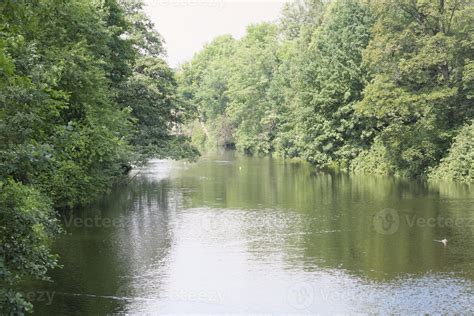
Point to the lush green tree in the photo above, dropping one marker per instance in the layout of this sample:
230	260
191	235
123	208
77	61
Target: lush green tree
300	15
150	90
376	86
82	88
61	134
299	21
204	86
283	95
138	29
458	165
151	93
326	129
27	224
420	93
250	109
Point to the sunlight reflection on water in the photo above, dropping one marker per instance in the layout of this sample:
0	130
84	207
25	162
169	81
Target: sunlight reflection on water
257	235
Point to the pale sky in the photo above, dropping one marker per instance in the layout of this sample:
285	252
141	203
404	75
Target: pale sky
187	25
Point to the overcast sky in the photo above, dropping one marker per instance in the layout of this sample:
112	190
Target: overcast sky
187	25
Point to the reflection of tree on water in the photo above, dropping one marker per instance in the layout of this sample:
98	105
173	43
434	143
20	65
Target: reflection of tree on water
108	256
263	213
146	240
336	214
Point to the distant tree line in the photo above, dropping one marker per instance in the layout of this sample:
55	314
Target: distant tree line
379	87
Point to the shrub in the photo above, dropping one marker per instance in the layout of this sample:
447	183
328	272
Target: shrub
373	161
27	222
458	165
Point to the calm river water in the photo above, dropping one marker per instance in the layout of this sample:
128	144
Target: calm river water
233	234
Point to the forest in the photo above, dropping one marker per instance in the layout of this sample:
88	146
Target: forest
85	94
380	87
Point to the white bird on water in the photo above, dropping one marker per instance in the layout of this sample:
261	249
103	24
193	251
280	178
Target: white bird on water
444	241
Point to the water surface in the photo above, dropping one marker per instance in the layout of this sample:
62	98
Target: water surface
233	234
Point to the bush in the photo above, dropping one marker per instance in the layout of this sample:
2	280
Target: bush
198	135
458	165
27	222
373	161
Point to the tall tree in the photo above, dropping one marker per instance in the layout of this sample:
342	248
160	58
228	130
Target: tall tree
204	85
376	86
326	128
67	126
254	65
419	57
300	15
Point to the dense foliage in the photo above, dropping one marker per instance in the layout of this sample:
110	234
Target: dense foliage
458	165
27	224
381	87
84	94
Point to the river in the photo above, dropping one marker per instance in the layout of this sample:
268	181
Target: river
236	234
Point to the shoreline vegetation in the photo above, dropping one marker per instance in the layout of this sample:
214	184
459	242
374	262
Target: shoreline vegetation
84	94
379	87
